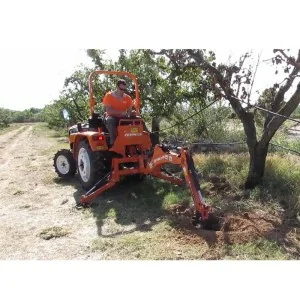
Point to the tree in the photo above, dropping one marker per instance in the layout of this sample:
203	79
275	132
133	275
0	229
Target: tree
220	80
4	117
161	90
53	115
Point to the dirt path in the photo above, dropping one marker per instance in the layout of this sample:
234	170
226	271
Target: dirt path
31	202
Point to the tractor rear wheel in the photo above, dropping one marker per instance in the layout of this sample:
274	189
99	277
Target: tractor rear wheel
90	165
64	163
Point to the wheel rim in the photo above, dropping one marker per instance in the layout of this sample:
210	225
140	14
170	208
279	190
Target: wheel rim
62	164
84	166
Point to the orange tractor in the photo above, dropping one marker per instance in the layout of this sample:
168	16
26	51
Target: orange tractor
99	169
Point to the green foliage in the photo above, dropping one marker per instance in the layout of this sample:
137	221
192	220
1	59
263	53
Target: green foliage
74	98
161	88
8	116
4	117
53	114
212	125
159	95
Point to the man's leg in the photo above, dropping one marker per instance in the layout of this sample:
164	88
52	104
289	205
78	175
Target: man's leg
111	124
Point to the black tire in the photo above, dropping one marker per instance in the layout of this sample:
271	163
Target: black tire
90	165
64	163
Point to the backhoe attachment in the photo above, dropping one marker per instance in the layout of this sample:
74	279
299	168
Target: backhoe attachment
154	166
162	155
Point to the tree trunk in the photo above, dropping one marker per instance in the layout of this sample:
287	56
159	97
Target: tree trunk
258	155
155	130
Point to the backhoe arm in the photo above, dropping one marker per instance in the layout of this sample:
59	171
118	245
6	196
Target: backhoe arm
162	156
154	167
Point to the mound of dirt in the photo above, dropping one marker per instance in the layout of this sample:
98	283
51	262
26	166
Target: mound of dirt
245	227
232	228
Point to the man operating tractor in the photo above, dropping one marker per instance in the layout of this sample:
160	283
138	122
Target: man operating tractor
118	105
101	162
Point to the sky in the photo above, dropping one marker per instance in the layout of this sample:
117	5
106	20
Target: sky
35	77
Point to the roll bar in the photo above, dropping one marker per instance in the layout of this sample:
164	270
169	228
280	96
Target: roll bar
92	101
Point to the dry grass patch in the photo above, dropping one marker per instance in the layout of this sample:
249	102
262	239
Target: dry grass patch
53	232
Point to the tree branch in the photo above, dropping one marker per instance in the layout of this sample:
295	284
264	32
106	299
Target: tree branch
253	79
225	85
242	61
286	110
246	118
279	97
156	53
291	60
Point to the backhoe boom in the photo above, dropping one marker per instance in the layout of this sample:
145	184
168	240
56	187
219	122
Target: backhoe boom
161	156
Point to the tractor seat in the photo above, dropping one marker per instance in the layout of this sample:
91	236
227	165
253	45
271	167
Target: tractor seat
96	121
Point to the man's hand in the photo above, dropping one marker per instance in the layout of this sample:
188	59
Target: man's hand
114	112
133	113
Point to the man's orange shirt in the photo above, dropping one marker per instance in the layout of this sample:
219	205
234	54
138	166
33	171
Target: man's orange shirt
121	105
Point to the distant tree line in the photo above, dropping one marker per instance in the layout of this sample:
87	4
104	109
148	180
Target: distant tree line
8	116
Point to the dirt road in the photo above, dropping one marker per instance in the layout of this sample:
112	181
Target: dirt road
31	202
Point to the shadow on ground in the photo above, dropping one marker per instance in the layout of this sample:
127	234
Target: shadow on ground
133	205
137	206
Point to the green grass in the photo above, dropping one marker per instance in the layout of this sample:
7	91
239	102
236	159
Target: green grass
181	197
11	127
280	184
111	213
51	150
232	167
282	139
260	250
61	139
41	129
129	202
162	242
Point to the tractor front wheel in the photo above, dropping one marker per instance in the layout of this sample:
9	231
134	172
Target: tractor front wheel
64	163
